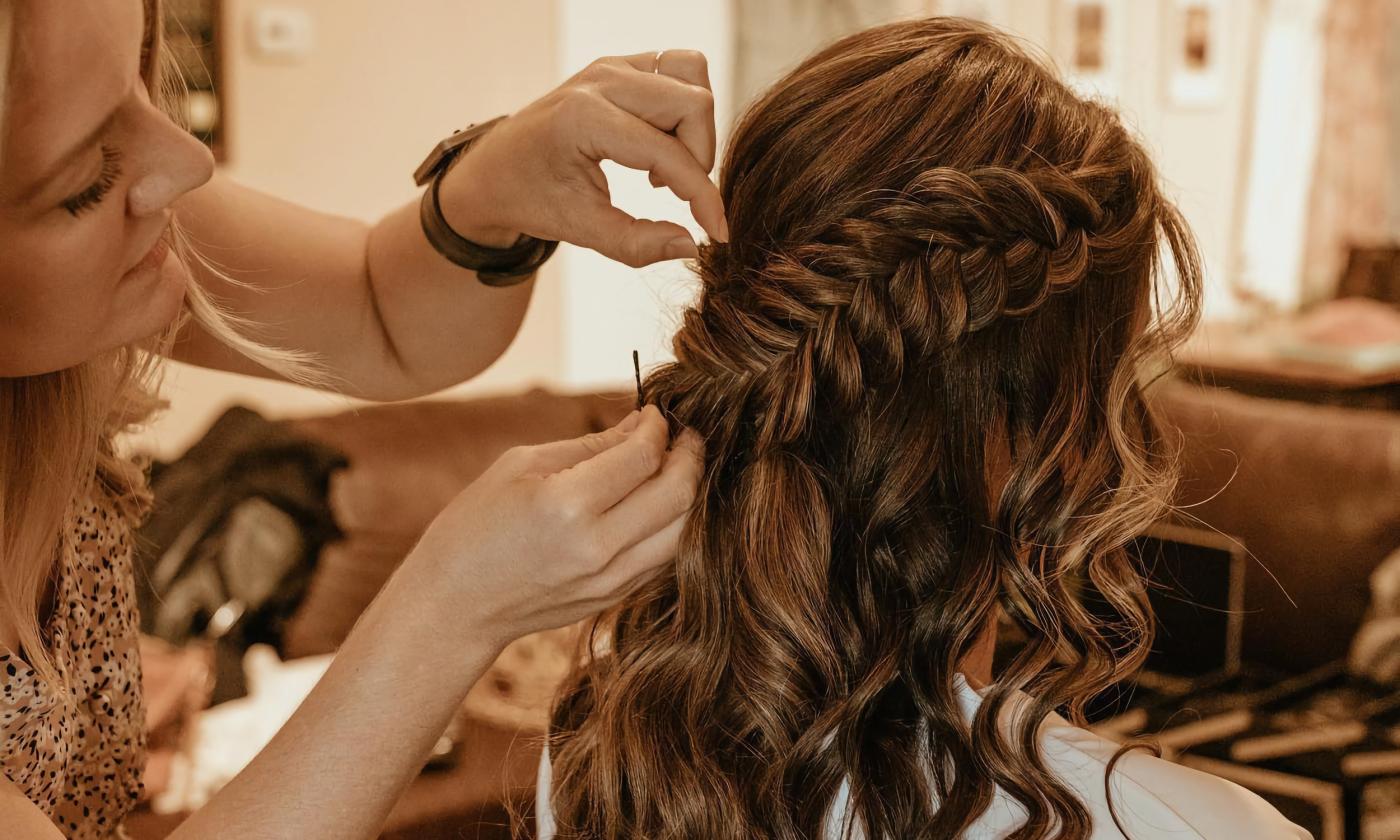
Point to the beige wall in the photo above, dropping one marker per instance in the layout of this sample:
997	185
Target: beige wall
343	129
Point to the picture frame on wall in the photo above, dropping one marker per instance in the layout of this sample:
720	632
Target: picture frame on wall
1088	40
1194	52
192	36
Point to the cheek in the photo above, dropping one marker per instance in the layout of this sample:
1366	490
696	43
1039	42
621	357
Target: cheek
86	251
59	276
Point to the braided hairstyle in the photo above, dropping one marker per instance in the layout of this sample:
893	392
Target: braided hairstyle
918	369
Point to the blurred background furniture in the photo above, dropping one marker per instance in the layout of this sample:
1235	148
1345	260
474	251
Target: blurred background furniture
1372	272
1343	351
1248	361
1314	494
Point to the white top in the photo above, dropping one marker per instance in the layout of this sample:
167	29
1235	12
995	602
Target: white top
1153	798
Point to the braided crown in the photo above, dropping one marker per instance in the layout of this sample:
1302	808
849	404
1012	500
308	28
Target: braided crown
952	253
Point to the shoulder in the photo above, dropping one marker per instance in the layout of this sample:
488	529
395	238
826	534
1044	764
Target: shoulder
1156	798
1153	799
544	815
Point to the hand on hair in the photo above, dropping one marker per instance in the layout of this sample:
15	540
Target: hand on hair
539	172
552	534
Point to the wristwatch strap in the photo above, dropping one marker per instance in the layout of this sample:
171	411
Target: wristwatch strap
493	266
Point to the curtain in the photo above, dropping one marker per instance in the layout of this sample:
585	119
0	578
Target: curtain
1353	194
1283	122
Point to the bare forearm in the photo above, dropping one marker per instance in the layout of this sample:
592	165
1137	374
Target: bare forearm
339	765
443	324
391	317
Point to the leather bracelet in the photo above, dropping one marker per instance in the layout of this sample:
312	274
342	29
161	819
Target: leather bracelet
493	266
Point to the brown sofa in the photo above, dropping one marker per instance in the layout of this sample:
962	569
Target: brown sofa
1313	492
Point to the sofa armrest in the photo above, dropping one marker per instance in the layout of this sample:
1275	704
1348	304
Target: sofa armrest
1314	494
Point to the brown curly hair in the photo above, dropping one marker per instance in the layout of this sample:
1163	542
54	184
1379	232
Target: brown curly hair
918	367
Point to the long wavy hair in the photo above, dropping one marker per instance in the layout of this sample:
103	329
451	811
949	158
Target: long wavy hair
918	367
60	431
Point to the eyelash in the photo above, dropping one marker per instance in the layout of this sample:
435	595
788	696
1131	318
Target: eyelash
93	195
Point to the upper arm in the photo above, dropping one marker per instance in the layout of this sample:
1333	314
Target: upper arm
307	285
22	819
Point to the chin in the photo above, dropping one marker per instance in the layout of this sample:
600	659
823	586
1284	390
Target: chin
174	281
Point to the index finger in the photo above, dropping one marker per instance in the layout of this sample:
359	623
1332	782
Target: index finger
691	67
680	109
636	144
549	458
686	65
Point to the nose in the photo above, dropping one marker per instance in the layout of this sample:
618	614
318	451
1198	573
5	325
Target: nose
173	162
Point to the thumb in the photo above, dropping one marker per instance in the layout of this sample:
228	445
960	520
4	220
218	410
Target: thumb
550	458
636	242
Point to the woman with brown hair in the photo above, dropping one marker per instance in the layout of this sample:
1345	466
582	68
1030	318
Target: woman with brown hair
918	367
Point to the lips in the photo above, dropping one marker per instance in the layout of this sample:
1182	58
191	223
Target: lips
155	257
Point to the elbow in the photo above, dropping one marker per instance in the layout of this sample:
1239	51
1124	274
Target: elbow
431	376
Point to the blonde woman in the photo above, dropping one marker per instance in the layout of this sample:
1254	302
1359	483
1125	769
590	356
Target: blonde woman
96	287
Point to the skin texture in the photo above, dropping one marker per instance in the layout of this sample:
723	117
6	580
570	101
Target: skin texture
547	536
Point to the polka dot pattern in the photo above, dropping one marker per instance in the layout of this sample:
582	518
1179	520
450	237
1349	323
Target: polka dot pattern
78	751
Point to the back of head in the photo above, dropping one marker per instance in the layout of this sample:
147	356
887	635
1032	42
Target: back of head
917	367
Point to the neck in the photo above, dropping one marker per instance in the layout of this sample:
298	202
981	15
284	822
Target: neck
977	664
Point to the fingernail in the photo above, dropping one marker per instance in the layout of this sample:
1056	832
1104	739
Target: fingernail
630	421
680	248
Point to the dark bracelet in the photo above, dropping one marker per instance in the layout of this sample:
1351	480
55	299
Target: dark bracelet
493	266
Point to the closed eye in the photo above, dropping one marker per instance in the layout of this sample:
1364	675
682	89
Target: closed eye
106	179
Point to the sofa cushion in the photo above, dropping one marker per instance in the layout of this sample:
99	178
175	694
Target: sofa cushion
1314	494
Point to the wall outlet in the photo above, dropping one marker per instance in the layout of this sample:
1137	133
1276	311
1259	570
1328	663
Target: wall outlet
284	33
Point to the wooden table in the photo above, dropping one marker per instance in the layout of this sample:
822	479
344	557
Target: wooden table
1228	356
495	773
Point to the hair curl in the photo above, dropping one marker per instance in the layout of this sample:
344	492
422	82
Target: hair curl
918	369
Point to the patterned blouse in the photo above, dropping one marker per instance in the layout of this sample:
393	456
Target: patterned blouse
79	752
